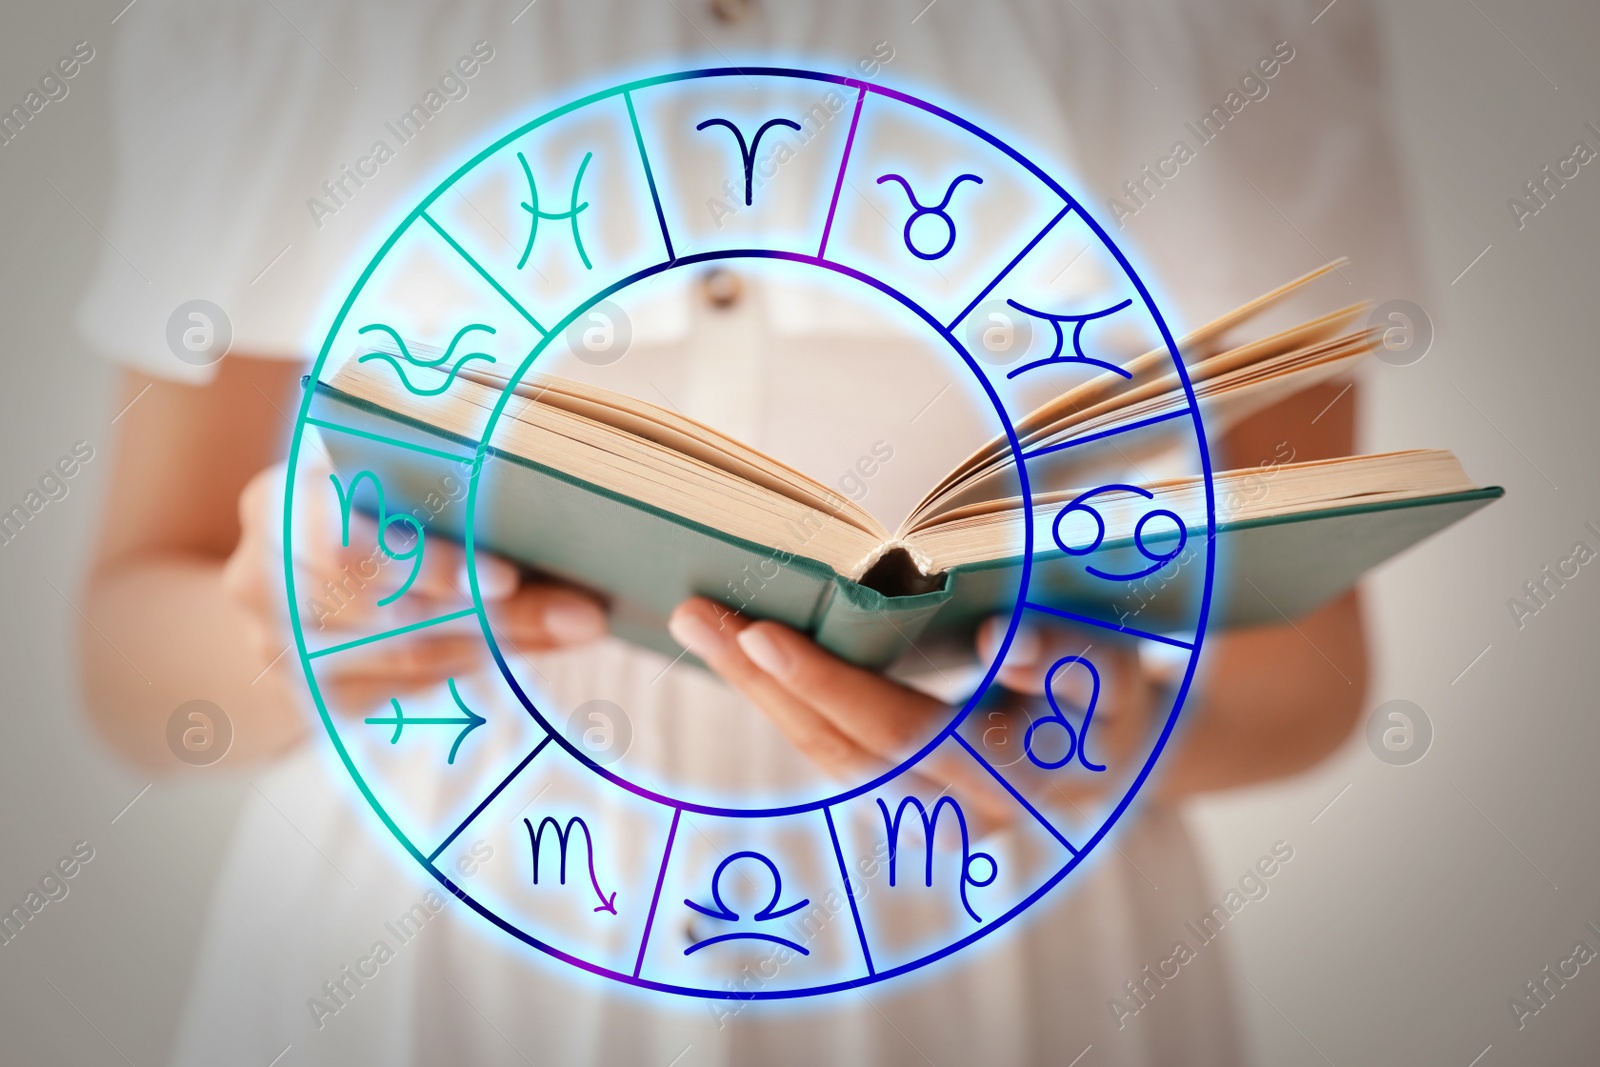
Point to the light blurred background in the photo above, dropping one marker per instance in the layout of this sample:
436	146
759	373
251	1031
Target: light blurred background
1421	898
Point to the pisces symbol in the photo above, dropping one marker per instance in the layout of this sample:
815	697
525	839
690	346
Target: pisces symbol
571	214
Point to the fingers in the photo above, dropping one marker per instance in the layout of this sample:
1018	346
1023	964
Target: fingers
415	659
854	722
350	557
541	616
349	575
245	575
888	720
1036	649
376	564
1108	680
711	632
421	667
885	719
341	586
442	573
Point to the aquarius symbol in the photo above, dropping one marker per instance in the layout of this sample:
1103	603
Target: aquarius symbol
1077	741
891	830
1077	338
432	364
937	211
766	914
385	520
535	837
470	721
748	155
1161	559
571	214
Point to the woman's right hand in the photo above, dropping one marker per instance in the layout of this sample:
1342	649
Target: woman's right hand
339	587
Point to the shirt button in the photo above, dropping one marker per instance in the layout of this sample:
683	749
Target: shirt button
721	287
731	12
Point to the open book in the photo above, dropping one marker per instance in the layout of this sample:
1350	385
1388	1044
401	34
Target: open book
647	507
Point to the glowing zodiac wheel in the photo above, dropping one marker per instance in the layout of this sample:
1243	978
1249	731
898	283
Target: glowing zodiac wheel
918	207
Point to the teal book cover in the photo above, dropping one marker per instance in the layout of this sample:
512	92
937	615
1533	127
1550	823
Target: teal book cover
644	561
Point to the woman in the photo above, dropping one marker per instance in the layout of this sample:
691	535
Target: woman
262	110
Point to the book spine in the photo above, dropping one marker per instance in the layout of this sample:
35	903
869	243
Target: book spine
869	629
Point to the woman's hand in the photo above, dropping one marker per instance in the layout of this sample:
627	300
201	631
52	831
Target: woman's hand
340	587
1111	722
855	724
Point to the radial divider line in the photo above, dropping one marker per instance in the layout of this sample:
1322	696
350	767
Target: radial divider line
1131	631
489	799
395	441
358	642
649	175
650	919
1009	267
490	278
1009	788
1074	442
849	891
838	183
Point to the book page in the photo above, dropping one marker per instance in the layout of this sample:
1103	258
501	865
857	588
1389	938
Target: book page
1228	386
993	529
637	467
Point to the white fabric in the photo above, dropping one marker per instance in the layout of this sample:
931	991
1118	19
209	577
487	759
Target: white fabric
229	117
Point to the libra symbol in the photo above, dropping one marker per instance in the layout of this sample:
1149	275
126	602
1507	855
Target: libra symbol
771	912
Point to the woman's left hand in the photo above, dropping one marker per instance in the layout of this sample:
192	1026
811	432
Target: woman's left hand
1110	722
855	724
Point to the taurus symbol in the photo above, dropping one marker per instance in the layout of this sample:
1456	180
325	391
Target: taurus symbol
937	210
